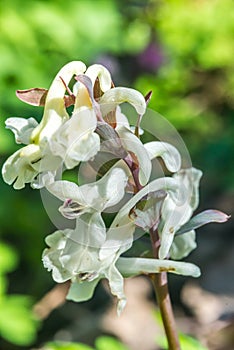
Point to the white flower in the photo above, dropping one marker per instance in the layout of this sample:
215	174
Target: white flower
136	148
76	140
142	154
59	139
96	196
73	254
25	164
123	226
119	237
76	254
22	128
80	262
167	152
174	215
114	97
89	253
177	229
93	72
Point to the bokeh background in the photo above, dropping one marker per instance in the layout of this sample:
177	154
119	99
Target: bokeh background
183	51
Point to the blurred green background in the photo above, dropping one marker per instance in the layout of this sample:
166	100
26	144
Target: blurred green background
183	51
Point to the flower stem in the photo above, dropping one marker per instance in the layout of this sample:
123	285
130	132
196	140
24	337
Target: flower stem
164	302
159	279
160	284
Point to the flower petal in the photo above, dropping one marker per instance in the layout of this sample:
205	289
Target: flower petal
74	253
120	233
116	283
57	239
90	231
167	152
174	214
71	209
190	178
114	97
106	192
132	144
167	184
93	72
119	238
121	118
75	140
83	149
98	71
22	128
112	186
183	245
84	95
82	291
51	256
65	190
203	218
147	212
135	266
110	141
19	168
44	179
55	112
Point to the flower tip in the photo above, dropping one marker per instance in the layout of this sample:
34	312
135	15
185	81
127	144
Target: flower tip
197	272
148	97
219	215
161	254
227	217
121	305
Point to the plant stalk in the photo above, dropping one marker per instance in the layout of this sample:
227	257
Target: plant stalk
159	279
160	284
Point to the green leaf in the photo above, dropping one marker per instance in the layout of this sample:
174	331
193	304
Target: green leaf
17	323
186	343
3	286
8	258
109	343
189	343
66	346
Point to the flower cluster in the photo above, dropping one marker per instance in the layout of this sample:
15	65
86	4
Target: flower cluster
97	131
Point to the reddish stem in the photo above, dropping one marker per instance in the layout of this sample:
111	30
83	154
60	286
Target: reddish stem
159	280
160	284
